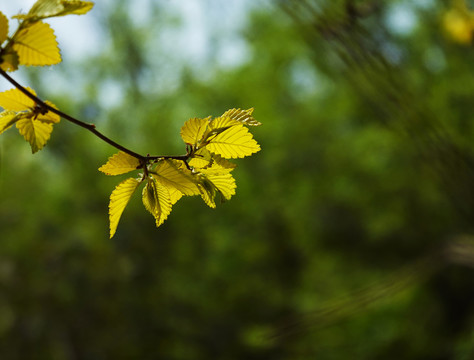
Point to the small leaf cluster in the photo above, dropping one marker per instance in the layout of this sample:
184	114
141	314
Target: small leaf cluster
32	44
204	171
32	121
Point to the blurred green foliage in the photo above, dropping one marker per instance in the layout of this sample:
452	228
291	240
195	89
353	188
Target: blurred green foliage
339	241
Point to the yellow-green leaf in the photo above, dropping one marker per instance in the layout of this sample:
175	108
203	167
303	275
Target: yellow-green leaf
7	119
193	130
171	173
235	142
15	100
226	164
156	199
222	123
120	163
225	184
10	61
119	200
221	178
49	8
201	159
208	191
175	195
3	27
36	45
49	117
243	116
37	133
215	169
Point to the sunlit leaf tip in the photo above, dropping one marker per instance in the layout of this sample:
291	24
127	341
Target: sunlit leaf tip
243	116
119	200
120	163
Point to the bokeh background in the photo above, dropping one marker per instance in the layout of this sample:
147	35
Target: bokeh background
350	236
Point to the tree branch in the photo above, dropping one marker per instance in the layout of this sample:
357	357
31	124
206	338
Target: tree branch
90	127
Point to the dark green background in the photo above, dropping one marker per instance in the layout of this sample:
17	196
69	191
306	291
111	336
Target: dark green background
349	236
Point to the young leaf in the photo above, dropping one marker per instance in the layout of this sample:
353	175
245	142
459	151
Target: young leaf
15	100
235	142
221	178
119	200
175	195
156	199
224	183
37	133
208	191
193	130
3	27
222	123
7	119
243	116
49	8
120	163
49	117
172	174
36	45
201	159
226	164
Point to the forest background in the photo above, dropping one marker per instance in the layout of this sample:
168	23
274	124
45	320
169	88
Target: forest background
351	232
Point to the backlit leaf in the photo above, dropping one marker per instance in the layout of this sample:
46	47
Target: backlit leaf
15	100
48	8
7	119
201	159
219	160
243	116
193	130
221	179
171	173
10	61
36	45
120	163
3	27
235	142
175	195
119	200
37	133
49	117
224	183
215	169
156	199
208	191
223	122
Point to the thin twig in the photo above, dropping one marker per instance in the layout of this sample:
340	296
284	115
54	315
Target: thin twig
90	127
